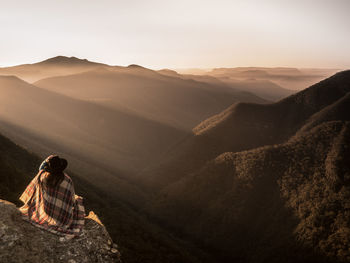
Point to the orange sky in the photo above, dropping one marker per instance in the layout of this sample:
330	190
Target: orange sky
178	34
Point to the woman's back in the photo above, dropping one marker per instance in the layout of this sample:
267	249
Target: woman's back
50	201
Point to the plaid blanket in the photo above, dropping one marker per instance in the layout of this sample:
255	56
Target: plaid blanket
57	210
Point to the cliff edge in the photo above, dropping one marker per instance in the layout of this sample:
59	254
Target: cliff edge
22	242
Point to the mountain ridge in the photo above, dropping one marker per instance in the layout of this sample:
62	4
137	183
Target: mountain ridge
245	126
170	100
236	199
55	66
67	60
284	200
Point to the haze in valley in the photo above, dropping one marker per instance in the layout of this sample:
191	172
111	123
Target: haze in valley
199	131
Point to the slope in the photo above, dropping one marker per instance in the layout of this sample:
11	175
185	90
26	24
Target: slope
246	126
173	101
288	202
262	88
339	110
265	89
113	140
288	78
138	238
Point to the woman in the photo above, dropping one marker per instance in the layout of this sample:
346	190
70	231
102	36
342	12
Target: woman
50	201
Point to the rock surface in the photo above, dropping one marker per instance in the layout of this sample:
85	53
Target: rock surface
22	242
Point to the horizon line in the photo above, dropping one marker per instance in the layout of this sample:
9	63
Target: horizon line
204	68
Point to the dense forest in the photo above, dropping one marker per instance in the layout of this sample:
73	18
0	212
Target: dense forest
268	204
285	200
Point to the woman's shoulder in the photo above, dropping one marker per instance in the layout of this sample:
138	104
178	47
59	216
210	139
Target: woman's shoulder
43	175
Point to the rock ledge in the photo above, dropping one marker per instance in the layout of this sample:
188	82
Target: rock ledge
22	242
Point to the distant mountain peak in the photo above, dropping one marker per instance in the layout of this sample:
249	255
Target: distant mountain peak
168	72
66	60
135	66
139	69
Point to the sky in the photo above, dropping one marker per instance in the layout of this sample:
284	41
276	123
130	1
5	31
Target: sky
178	34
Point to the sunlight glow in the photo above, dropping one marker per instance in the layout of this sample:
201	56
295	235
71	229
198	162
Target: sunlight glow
178	34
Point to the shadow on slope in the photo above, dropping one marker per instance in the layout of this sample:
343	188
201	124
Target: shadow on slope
138	238
174	101
245	126
110	139
287	202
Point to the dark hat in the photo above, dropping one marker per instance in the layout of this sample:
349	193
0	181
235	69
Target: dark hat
57	164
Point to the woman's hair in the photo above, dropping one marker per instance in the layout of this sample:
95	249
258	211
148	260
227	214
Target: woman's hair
55	168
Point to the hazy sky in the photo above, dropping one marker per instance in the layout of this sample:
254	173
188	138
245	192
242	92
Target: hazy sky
177	34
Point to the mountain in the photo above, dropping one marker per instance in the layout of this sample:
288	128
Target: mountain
281	119
286	202
169	72
201	78
115	118
264	183
249	72
246	126
56	66
174	101
138	238
287	78
106	143
69	61
339	110
171	100
265	89
251	183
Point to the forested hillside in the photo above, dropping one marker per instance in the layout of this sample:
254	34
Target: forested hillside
287	201
270	203
245	126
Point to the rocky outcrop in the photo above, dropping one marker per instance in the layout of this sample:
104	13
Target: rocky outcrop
22	242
